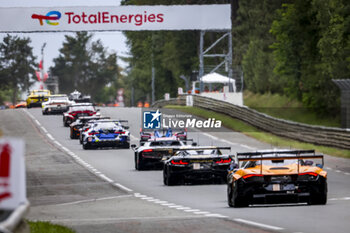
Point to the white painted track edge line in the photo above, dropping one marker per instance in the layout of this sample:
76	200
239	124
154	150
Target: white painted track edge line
123	187
262	225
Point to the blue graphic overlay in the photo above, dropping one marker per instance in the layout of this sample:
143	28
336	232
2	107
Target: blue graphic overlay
152	119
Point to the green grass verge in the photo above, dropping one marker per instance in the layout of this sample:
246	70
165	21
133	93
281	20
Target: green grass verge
251	131
282	107
46	227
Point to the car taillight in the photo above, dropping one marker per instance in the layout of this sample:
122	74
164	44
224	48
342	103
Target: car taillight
148	150
120	132
86	129
308	173
252	175
93	133
308	176
224	160
178	162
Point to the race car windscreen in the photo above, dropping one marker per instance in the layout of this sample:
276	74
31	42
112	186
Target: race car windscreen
41	93
165	143
105	125
272	162
61	98
82	108
203	152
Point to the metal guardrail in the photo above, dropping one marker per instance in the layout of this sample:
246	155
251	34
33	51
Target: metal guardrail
11	223
319	135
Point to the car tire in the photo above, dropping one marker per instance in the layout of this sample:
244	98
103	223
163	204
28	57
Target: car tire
87	146
229	195
71	134
319	198
139	164
29	106
234	199
135	160
168	178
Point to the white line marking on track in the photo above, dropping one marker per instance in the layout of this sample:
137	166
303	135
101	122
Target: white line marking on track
58	144
339	199
201	212
347	173
211	136
167	204
216	215
160	202
140	195
106	178
258	224
153	200
175	206
248	147
43	129
123	187
50	136
192	210
228	142
338	171
183	208
133	137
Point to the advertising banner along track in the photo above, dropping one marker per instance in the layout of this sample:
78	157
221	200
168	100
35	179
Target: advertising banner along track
118	18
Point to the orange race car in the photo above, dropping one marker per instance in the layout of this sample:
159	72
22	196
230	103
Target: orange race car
277	177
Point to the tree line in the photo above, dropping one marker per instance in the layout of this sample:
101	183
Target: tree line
82	64
291	47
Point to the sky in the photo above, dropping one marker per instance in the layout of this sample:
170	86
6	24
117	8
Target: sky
114	41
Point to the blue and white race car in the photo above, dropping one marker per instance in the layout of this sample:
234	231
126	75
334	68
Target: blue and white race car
106	134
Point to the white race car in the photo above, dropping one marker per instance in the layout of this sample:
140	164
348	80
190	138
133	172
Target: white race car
55	104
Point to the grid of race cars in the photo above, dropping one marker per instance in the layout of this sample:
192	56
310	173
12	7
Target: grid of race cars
260	177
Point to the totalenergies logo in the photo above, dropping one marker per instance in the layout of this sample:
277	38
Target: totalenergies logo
49	17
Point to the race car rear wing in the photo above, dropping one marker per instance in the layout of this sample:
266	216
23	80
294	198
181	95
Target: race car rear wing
173	149
277	152
163	129
93	117
288	155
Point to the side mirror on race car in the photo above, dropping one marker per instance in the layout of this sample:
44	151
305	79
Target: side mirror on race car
194	143
133	146
319	165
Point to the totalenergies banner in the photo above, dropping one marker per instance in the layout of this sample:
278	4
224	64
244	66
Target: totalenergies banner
109	18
